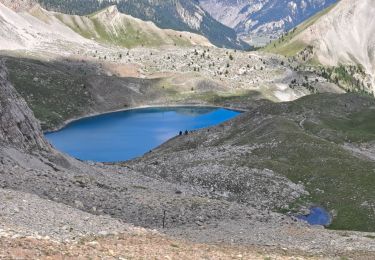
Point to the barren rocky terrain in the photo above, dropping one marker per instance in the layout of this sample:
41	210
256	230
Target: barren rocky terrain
102	199
228	192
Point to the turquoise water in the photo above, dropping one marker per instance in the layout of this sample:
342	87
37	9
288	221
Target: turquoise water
125	135
317	216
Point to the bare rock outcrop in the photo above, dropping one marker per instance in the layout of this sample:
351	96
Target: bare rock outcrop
18	126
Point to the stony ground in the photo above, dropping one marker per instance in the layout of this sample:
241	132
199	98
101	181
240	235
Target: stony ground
32	227
143	245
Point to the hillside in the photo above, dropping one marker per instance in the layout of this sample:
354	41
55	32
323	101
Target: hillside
167	14
343	35
322	142
21	30
17	124
37	28
255	19
112	27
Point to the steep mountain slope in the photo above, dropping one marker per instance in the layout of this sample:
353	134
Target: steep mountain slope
36	27
343	36
263	17
18	126
24	31
112	27
168	14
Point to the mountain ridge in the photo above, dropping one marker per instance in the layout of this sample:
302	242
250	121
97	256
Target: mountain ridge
111	26
168	14
35	27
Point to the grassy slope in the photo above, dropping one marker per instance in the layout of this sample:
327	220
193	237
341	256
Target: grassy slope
289	46
128	34
334	177
163	13
53	94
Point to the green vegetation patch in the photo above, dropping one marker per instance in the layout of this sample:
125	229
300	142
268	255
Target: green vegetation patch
335	178
126	33
54	95
287	45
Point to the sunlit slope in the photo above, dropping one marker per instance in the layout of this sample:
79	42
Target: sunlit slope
342	35
21	30
112	27
290	44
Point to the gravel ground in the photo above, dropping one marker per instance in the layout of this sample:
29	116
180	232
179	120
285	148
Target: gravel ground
29	215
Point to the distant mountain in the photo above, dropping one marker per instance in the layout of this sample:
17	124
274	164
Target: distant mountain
263	17
342	36
181	15
112	27
35	27
21	30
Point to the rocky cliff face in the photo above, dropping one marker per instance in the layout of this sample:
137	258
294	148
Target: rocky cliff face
18	126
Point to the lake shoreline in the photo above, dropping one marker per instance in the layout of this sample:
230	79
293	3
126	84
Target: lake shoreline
129	134
90	115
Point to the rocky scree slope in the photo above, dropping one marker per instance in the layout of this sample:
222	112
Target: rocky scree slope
17	124
263	18
167	14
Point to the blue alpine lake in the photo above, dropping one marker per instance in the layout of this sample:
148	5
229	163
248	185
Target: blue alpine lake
317	216
125	135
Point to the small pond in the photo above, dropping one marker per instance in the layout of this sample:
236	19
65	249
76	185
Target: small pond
125	135
317	216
